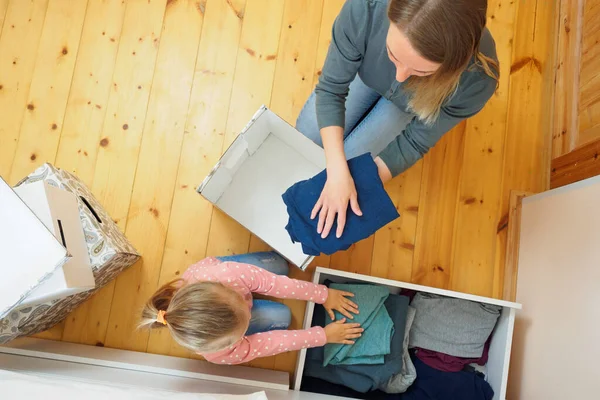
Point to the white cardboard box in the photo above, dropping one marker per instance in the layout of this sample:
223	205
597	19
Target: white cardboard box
59	212
267	157
29	252
109	251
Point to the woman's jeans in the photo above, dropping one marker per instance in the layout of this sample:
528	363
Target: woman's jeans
372	121
267	315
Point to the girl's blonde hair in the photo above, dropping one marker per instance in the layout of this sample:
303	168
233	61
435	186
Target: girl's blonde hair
447	32
201	316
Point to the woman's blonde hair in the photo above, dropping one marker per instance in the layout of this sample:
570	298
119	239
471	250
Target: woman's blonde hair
447	32
201	316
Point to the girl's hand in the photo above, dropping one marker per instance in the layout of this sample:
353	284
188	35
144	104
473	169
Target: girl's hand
339	190
336	300
340	332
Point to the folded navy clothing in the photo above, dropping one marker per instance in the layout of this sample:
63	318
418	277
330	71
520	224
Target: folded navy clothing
362	377
316	385
432	384
375	204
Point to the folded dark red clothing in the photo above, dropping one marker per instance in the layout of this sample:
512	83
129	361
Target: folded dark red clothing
448	363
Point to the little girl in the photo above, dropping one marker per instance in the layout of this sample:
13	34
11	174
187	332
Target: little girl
211	311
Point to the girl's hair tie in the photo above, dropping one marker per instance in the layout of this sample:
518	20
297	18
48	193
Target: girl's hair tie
160	317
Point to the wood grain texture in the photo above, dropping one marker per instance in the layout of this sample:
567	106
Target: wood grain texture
19	41
203	140
175	92
394	244
581	163
90	88
432	262
479	193
292	84
510	272
158	162
3	8
527	138
117	148
589	82
565	129
78	146
252	87
50	86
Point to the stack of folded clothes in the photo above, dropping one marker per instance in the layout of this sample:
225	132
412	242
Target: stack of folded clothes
436	356
377	355
377	208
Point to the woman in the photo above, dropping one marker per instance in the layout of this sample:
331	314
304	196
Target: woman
398	75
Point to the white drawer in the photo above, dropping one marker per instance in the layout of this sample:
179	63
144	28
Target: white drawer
499	354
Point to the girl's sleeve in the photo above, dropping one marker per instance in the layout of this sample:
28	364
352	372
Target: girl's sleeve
258	280
268	344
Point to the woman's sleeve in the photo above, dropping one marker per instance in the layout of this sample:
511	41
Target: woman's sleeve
417	138
268	344
341	65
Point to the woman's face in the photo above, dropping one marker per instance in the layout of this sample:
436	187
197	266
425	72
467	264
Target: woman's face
406	59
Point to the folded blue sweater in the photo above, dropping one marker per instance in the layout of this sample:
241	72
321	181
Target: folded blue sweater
362	378
375	204
374	344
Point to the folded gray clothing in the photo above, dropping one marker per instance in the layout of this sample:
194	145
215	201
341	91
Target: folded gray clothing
399	383
451	326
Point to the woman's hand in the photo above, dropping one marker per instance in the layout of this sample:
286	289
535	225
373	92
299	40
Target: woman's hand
339	190
336	300
340	332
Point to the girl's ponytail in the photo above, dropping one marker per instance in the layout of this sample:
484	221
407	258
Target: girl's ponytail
203	317
160	301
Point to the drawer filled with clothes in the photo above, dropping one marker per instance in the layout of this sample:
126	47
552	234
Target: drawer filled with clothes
419	343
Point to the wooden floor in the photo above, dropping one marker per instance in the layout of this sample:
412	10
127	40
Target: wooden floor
139	98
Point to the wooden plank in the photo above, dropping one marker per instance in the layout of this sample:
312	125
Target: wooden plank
568	53
394	245
293	83
90	89
479	193
590	38
510	271
204	132
3	8
19	43
50	85
46	102
118	148
156	173
432	262
252	87
589	86
581	163
527	143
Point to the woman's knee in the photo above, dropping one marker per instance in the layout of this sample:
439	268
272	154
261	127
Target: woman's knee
307	121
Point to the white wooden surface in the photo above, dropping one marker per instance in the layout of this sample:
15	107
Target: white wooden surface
23	269
556	347
100	374
500	348
151	363
266	159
